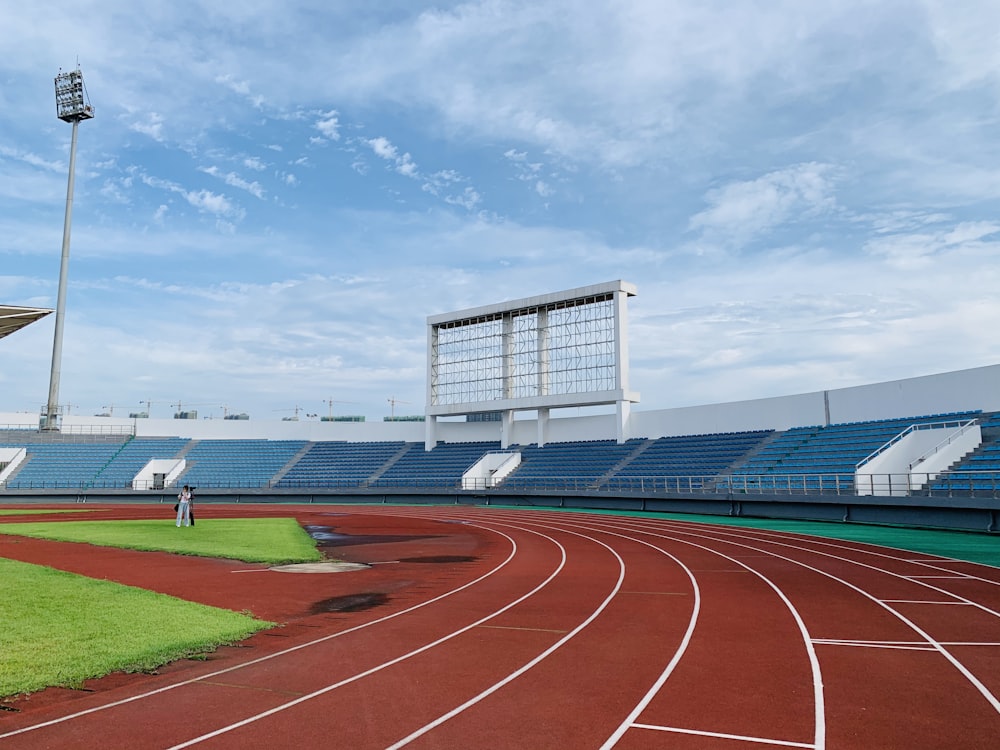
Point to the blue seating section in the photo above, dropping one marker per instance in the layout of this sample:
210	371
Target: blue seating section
802	459
61	464
339	464
693	455
238	463
441	467
824	458
563	466
134	455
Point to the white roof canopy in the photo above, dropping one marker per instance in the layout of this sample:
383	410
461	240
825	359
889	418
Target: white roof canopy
15	318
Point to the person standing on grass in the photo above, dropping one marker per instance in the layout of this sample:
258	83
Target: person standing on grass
184	506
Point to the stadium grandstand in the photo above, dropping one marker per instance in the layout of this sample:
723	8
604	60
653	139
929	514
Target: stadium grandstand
919	451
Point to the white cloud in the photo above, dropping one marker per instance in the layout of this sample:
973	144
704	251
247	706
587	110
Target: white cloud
151	126
31	159
239	87
233	179
468	199
403	163
205	200
329	125
405	166
739	211
383	148
918	249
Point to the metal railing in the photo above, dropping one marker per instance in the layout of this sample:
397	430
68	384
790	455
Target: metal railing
947	484
954	423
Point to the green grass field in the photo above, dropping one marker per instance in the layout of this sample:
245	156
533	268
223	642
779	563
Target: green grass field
265	540
59	629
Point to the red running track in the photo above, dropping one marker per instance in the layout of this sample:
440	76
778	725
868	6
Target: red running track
490	628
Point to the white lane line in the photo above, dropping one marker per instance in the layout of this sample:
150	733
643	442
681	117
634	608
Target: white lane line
934	562
514	675
819	713
720	735
888	646
275	655
913	645
819	740
983	690
771	537
925	601
384	665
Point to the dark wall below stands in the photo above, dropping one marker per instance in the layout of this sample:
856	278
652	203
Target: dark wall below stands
978	514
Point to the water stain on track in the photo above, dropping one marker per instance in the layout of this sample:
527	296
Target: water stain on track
350	603
325	536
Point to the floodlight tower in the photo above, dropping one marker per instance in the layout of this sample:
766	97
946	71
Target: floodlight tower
72	105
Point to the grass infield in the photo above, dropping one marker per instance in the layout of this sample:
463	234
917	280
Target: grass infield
59	629
265	540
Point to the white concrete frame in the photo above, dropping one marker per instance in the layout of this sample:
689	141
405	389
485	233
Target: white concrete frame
557	350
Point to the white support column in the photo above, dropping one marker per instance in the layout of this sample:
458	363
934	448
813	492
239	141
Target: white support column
506	428
430	433
621	341
542	351
432	363
543	427
621	423
624	407
507	356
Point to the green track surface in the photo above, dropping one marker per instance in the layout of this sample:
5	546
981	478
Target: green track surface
959	545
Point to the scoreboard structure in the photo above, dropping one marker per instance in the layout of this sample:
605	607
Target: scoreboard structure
558	350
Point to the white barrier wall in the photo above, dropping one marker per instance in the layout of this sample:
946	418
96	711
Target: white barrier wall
737	416
963	390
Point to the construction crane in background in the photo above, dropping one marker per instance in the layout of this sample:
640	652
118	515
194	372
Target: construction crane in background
179	409
392	406
330	402
294	418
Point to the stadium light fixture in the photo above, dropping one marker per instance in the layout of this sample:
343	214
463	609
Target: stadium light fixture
73	106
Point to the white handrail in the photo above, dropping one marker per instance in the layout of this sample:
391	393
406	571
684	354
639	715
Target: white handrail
913	428
947	441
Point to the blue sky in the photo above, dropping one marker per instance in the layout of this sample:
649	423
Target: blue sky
274	196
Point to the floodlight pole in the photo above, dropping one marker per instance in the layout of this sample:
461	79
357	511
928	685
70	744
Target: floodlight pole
71	106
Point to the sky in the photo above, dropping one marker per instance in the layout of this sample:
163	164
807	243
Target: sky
274	196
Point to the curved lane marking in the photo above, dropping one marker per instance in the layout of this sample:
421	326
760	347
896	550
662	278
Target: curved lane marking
819	739
517	673
384	665
283	652
937	645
